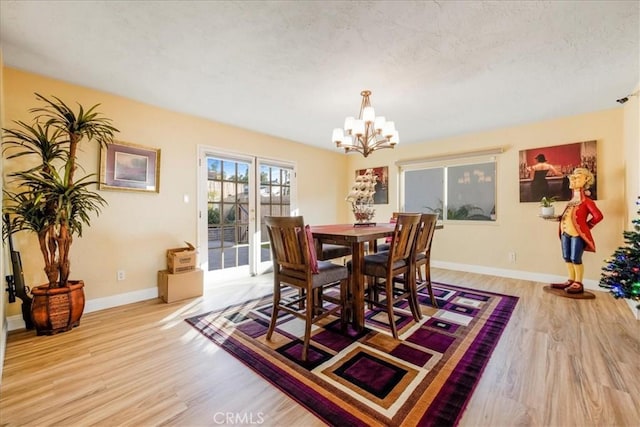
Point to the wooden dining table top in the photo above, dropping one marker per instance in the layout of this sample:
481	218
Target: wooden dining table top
352	234
355	234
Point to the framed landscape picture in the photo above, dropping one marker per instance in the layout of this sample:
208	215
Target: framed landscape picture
544	171
126	166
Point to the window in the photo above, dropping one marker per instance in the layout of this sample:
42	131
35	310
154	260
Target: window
455	190
275	190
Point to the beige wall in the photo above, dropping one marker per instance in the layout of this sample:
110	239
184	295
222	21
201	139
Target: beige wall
3	299
135	229
518	228
632	154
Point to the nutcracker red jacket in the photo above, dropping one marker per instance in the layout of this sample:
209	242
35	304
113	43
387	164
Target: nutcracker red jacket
585	216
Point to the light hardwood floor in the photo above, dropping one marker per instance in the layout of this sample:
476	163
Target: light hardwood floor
560	362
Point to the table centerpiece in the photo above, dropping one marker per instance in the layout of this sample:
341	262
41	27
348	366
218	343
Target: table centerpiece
361	198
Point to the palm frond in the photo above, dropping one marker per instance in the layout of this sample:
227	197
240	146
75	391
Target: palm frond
43	141
86	124
48	199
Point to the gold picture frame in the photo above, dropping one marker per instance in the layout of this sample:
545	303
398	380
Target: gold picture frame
129	167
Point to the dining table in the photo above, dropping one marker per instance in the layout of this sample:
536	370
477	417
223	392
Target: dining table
355	236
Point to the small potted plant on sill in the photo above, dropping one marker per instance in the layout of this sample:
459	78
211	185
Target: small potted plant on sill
47	198
547	209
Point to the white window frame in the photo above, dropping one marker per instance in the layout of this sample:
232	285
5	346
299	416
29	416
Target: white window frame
445	162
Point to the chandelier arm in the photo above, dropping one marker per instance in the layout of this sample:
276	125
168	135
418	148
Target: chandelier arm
356	149
375	142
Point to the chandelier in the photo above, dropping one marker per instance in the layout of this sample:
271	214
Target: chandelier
367	133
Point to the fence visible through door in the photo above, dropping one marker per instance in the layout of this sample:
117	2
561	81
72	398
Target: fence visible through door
232	192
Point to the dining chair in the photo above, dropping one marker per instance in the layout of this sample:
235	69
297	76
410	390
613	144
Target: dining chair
295	266
422	257
380	269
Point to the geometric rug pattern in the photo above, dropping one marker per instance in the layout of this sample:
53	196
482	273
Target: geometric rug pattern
425	378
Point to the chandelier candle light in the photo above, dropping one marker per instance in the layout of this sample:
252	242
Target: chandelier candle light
367	133
361	197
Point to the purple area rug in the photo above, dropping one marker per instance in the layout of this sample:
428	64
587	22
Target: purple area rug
425	378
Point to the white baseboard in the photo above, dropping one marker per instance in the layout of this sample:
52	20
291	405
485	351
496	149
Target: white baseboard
632	305
3	339
512	274
120	299
17	322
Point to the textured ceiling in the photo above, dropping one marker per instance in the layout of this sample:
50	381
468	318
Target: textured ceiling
296	69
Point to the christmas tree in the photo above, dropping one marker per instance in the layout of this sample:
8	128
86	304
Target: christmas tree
621	275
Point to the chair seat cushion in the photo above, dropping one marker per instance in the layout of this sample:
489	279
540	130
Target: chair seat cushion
330	251
328	272
383	247
420	256
376	264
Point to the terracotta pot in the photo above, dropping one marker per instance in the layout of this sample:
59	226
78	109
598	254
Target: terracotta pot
57	309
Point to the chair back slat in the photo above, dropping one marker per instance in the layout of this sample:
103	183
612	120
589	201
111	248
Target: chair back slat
425	237
289	245
404	238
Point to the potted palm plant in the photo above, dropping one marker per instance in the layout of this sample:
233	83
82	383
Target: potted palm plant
47	198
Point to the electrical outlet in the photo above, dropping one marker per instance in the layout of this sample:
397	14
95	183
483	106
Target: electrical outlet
121	275
512	257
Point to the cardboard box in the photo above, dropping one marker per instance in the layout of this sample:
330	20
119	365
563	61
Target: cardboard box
181	260
176	287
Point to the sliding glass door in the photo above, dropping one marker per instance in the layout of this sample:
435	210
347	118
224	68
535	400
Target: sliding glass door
232	239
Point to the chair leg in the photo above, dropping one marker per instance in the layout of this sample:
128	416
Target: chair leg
274	313
307	326
392	320
434	301
317	307
427	278
412	289
372	292
374	289
419	273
